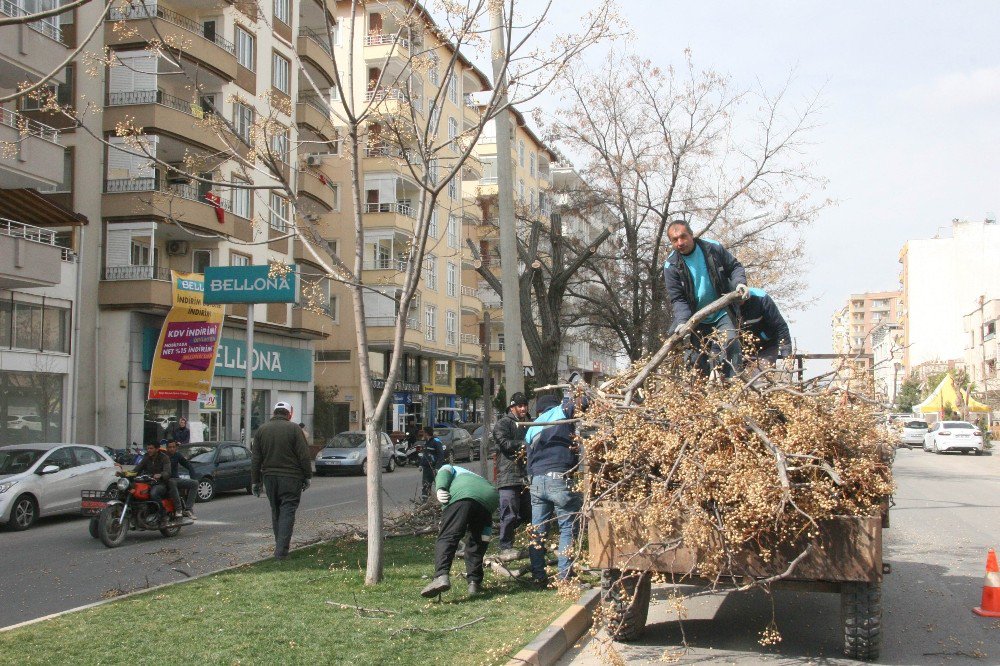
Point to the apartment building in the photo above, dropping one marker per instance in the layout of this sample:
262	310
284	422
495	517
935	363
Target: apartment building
39	269
943	279
887	359
982	349
853	324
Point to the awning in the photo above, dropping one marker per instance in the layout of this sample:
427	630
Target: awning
30	207
946	397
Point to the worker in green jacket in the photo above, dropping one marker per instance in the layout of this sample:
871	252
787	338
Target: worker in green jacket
469	503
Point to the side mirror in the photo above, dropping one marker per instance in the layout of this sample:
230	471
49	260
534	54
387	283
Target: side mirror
48	469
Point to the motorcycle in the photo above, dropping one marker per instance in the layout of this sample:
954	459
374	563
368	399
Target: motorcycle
406	454
128	505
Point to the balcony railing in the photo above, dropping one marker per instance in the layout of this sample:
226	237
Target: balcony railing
470	101
380	94
412	323
316	38
133	12
470	291
488	180
46	26
136	273
380	38
136	97
497	346
469	339
26	126
26	231
152	184
402	209
384	264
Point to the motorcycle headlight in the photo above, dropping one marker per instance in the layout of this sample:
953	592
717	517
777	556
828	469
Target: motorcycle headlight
122	483
4	487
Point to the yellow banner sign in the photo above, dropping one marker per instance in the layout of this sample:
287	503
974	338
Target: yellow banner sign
184	361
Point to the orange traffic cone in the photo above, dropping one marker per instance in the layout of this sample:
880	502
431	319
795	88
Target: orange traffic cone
991	588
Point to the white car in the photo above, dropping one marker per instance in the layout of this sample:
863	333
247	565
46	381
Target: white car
946	436
46	479
913	433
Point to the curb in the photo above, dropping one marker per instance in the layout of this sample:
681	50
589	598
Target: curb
556	639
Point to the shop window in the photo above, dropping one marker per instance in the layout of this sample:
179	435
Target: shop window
32	403
442	372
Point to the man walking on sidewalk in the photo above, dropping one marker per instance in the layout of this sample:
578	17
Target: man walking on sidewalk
279	458
512	473
469	502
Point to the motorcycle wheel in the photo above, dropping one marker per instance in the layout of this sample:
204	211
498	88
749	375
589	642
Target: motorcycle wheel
170	531
93	528
111	533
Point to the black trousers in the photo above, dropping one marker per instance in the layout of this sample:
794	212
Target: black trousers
284	494
458	518
515	510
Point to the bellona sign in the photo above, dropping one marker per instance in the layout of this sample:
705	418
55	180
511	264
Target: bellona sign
250	284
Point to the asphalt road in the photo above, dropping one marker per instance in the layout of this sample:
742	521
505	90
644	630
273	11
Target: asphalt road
945	519
56	565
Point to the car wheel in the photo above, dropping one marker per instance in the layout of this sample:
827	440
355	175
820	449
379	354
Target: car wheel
364	467
249	489
206	490
391	467
24	513
978	452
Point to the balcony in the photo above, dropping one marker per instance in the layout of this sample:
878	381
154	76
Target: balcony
387	101
156	109
135	286
311	112
142	198
379	46
309	322
154	22
470	301
311	186
390	158
469	345
314	48
29	256
32	155
36	49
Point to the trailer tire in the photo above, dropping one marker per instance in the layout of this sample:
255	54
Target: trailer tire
861	615
625	596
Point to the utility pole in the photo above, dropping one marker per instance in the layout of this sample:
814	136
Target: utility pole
513	365
487	395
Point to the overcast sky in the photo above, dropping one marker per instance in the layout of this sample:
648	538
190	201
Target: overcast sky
910	123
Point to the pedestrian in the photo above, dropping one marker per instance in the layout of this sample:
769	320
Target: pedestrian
412	432
180	432
553	456
512	474
431	459
279	458
469	502
305	432
177	484
697	272
762	320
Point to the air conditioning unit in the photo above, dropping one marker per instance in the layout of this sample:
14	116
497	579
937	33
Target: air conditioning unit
177	248
314	160
312	217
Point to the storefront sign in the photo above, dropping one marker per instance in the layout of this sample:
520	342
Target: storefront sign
379	384
249	284
209	402
270	361
183	360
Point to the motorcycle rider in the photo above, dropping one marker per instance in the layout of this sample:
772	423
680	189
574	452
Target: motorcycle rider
431	460
511	473
176	483
156	464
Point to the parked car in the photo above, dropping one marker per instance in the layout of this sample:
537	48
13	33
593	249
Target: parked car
913	432
219	466
347	453
38	480
946	436
458	444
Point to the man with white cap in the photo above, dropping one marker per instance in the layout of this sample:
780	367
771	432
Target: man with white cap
280	459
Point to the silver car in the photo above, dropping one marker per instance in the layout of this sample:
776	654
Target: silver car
347	453
46	479
913	433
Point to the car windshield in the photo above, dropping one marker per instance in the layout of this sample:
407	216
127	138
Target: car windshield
347	440
918	425
18	460
959	425
198	453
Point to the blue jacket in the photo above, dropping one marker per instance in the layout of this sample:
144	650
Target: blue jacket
724	269
549	448
763	319
433	453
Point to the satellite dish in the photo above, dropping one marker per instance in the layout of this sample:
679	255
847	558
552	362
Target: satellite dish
991	217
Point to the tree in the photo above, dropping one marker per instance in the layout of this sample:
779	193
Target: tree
909	395
470	389
659	144
324	415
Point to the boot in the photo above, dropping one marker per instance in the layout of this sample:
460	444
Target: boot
440	584
475	588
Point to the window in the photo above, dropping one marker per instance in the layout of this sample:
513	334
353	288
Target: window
531	164
432	226
280	73
279	213
520	190
451	280
283	11
430	272
452	88
452	231
62	92
335	308
61	458
243	117
453	188
333	355
280	145
452	129
237	259
85	456
245	49
989	330
451	328
34	326
442	373
430	323
242	199
432	71
200	260
531	199
336	196
520	152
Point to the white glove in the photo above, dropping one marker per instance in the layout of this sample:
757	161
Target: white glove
444	496
743	291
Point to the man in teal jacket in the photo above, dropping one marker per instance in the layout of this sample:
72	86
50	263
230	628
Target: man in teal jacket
469	503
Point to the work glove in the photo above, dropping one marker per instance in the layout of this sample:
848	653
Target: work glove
305	484
443	496
743	291
255	489
487	534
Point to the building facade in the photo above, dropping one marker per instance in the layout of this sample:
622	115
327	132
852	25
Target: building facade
982	349
887	359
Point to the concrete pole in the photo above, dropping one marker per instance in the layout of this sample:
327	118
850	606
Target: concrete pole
487	395
248	401
513	365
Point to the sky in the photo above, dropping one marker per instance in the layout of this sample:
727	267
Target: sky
909	132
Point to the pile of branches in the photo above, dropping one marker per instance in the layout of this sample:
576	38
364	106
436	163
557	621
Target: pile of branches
734	469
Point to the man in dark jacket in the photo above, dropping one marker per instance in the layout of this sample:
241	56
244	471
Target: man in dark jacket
280	458
763	320
176	483
696	273
512	473
157	465
431	460
553	456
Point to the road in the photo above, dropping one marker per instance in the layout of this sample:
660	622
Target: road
945	519
56	565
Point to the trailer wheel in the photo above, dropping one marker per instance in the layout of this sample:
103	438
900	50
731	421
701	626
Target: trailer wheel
861	615
625	596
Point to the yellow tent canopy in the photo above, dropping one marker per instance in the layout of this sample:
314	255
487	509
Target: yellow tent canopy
947	396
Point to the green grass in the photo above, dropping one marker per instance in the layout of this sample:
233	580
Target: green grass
276	613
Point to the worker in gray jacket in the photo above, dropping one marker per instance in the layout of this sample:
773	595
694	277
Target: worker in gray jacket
280	460
512	473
